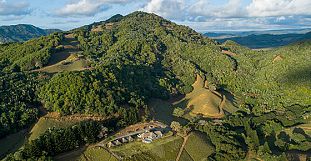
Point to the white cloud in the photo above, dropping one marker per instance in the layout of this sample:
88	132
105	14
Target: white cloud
87	7
14	9
196	11
172	9
234	14
268	8
233	8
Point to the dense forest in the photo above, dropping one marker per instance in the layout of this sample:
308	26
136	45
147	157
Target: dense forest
142	56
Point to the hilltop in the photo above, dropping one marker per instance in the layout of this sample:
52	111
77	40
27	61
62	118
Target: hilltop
22	32
113	69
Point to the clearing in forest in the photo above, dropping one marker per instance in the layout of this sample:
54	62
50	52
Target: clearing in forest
53	119
202	101
69	59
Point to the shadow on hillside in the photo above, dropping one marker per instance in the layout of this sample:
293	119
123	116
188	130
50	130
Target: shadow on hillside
298	76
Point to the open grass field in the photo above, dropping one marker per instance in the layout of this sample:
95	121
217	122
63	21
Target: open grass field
12	142
200	101
163	149
70	46
185	156
67	59
54	120
66	65
203	101
198	146
96	154
45	123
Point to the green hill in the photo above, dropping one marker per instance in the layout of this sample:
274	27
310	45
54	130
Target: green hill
135	58
22	32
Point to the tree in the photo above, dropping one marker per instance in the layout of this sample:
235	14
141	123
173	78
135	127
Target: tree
176	126
178	112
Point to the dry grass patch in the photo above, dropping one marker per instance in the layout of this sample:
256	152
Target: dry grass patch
203	101
71	65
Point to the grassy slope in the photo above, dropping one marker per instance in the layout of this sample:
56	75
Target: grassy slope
185	156
45	123
162	149
77	65
96	154
53	119
65	60
200	99
198	146
203	101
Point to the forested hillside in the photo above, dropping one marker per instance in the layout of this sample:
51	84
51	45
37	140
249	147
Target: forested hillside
22	32
258	41
142	56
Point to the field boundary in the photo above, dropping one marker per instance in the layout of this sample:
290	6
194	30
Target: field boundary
182	147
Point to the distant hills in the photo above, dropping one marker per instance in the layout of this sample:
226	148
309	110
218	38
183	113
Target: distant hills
262	39
22	32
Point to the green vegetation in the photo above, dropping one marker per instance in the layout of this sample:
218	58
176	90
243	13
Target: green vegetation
29	55
17	102
12	142
70	156
96	154
198	146
141	58
55	141
162	149
44	123
185	156
77	65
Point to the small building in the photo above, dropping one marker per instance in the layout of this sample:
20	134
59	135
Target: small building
130	139
117	142
158	134
110	144
149	135
124	140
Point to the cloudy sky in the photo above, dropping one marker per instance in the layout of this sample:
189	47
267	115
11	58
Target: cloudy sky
202	15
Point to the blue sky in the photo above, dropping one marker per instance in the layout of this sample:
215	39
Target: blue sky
202	15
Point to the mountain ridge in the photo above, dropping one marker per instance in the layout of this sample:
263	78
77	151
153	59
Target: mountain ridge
22	32
267	40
